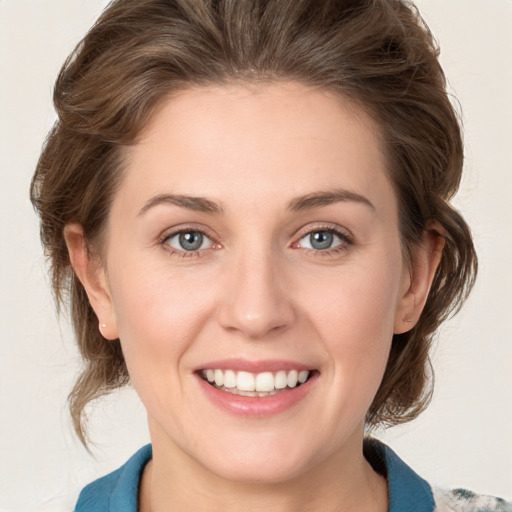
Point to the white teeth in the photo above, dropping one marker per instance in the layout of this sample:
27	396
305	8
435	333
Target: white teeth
230	379
303	376
280	380
264	382
247	393
245	381
293	376
219	377
260	384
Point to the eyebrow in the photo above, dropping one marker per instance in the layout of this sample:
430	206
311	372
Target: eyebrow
198	204
319	199
309	201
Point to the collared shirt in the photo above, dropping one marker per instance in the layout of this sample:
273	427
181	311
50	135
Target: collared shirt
408	492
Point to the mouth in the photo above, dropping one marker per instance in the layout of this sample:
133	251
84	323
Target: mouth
261	384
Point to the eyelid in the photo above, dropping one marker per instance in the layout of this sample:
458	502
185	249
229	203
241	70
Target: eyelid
184	228
343	233
346	240
204	239
181	228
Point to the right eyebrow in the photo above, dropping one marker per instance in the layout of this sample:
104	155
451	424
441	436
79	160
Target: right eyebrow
198	204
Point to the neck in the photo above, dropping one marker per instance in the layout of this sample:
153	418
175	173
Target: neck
345	482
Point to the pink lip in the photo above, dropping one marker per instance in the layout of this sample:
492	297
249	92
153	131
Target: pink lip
244	365
257	407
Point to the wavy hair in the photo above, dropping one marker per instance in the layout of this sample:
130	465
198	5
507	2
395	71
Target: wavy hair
377	53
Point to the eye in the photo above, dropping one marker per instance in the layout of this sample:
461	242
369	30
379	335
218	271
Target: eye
189	240
323	240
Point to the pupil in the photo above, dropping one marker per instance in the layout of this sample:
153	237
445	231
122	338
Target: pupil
191	241
321	239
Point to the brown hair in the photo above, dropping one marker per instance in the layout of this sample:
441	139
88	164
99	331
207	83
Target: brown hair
379	53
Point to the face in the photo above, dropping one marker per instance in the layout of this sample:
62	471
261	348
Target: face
255	277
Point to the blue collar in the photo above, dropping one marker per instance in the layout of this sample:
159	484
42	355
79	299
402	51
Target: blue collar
405	487
118	491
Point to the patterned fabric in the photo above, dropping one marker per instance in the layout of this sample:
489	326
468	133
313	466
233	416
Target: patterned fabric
462	500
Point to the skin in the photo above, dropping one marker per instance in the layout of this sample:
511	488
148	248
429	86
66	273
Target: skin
258	290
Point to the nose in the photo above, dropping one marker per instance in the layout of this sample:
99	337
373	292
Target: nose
256	301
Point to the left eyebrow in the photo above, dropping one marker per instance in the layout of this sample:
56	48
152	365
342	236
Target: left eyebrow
326	198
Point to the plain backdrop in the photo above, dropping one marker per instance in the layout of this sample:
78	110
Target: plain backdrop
464	439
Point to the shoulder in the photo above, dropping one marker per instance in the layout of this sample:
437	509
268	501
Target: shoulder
406	487
462	500
117	491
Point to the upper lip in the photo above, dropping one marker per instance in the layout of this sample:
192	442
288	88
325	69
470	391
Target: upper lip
245	365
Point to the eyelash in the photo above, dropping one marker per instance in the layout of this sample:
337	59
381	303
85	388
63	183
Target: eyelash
164	239
345	238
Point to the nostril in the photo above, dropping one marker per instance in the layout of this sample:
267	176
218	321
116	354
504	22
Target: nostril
255	306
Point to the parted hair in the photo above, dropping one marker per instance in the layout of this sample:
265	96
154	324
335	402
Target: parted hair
377	53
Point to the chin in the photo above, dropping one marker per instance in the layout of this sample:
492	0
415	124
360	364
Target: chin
263	461
267	473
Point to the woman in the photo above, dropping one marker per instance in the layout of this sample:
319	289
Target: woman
249	203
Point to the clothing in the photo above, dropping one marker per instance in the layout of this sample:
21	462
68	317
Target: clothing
408	492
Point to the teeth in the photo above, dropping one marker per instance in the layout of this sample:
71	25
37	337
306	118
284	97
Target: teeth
244	381
247	393
260	384
230	379
303	376
293	377
219	378
280	381
265	381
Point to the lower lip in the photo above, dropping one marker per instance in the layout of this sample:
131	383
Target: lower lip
254	406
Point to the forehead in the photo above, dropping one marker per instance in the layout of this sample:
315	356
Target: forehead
276	140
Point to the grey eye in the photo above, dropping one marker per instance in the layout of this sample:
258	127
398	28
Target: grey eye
320	240
189	241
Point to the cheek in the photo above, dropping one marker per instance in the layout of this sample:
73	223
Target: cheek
158	314
356	305
353	312
159	317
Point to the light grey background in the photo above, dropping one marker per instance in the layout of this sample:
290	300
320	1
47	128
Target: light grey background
464	439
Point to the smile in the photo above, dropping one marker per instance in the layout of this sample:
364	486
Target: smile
255	384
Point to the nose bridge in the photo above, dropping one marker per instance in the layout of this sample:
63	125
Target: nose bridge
255	302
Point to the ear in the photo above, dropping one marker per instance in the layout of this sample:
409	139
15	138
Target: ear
418	278
93	277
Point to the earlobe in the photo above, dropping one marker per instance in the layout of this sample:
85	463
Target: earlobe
91	274
417	284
